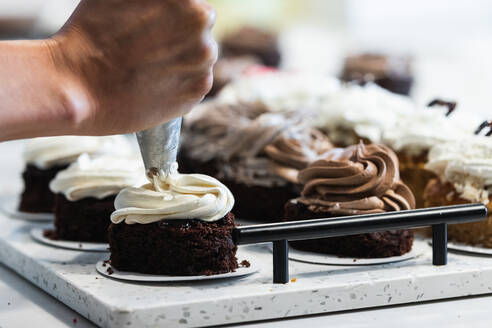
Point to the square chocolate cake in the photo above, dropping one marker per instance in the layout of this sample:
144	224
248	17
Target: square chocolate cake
84	220
37	196
174	247
369	245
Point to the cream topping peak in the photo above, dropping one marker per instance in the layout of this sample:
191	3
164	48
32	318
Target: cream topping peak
174	196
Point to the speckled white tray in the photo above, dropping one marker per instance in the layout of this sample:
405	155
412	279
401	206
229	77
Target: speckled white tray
71	277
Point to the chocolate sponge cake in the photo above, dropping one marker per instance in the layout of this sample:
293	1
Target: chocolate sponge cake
174	247
368	245
45	157
360	179
37	196
83	220
178	224
85	194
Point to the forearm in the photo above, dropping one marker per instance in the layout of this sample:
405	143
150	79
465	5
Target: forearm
36	99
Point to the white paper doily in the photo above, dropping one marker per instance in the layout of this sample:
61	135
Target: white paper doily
419	248
37	234
103	267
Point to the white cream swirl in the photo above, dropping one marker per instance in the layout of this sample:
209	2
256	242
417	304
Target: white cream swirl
47	152
174	196
467	165
98	177
279	91
367	110
425	129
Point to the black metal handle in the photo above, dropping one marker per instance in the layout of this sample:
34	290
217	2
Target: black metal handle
352	225
281	233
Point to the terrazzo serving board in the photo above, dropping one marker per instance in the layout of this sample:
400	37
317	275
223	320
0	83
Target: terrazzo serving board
71	277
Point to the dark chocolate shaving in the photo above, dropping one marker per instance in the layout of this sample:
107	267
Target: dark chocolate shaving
484	125
451	105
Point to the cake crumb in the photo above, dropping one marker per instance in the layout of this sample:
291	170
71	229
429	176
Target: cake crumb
80	246
293	280
50	234
245	264
110	271
354	260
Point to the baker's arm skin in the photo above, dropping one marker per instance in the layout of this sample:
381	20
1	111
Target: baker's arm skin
117	66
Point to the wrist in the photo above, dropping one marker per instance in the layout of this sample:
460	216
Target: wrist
74	103
38	95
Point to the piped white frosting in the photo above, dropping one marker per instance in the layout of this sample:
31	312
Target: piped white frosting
425	128
367	110
174	196
98	177
384	117
279	91
467	164
47	152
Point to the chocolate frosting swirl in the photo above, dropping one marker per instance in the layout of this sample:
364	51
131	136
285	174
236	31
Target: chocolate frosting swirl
293	150
360	179
254	145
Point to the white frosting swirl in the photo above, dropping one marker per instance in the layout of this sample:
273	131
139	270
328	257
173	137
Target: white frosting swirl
384	117
466	164
174	196
367	110
425	129
98	177
279	91
52	151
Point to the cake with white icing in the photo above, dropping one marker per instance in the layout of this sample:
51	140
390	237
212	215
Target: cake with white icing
176	224
464	175
85	194
45	157
412	138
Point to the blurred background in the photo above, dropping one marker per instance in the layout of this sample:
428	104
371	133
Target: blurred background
448	41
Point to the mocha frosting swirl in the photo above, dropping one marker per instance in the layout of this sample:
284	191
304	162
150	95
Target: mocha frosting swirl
360	179
293	150
254	145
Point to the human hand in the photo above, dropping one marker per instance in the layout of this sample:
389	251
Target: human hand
128	65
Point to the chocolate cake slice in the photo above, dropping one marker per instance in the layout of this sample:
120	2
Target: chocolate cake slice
37	196
369	245
85	220
174	247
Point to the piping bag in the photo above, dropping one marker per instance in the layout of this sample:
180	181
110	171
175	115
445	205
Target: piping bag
159	147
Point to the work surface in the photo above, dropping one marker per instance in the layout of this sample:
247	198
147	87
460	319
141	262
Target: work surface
317	288
70	276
